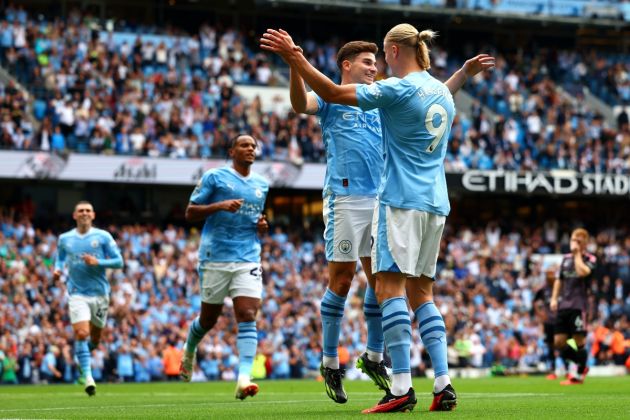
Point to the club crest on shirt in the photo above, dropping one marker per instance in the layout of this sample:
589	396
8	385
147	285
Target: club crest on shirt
94	243
258	193
345	246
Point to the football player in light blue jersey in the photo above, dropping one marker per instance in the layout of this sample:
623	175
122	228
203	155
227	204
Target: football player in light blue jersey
231	200
354	164
416	115
87	252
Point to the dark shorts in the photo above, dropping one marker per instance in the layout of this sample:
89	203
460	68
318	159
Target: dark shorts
570	322
550	330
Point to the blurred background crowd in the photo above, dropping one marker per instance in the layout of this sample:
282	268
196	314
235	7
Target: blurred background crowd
486	282
152	91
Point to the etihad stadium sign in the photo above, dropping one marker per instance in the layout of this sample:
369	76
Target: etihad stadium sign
553	182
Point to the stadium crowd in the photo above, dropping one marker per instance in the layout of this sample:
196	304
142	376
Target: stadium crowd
176	96
485	284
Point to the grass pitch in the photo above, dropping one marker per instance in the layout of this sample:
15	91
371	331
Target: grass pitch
493	398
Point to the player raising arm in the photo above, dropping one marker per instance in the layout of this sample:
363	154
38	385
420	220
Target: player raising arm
416	115
87	252
230	200
354	163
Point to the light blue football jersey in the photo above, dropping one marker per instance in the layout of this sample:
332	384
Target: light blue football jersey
85	279
226	236
354	151
416	117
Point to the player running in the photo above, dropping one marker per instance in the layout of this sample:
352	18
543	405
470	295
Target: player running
354	163
416	115
230	200
88	252
569	299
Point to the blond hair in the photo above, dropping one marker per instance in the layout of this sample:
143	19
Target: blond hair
581	233
407	35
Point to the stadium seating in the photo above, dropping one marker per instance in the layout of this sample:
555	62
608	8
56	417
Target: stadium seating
166	94
485	284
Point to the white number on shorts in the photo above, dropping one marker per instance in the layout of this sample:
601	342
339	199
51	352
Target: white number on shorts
437	132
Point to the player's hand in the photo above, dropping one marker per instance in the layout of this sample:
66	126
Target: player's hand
89	259
279	42
553	305
574	246
478	64
56	275
262	225
232	205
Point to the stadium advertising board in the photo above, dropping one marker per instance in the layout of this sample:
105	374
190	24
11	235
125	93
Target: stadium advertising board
165	171
554	182
144	170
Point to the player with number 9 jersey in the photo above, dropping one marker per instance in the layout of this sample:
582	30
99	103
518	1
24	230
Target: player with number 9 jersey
417	112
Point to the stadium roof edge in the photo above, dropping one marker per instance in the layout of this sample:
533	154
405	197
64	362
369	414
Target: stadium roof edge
411	11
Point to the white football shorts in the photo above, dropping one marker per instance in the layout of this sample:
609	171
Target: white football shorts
219	280
347	221
89	308
406	241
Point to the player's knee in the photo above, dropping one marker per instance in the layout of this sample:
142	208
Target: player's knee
383	292
245	314
559	342
580	340
82	333
207	322
340	285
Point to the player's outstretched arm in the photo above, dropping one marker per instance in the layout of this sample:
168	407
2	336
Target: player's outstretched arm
280	42
470	68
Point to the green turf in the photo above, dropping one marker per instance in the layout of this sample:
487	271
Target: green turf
493	398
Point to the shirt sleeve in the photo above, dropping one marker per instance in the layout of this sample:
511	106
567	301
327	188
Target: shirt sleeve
379	94
60	260
114	257
322	106
204	189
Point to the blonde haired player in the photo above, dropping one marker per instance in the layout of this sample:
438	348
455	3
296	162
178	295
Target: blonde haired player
569	298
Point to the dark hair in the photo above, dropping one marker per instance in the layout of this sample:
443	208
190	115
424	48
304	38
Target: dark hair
352	49
233	140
